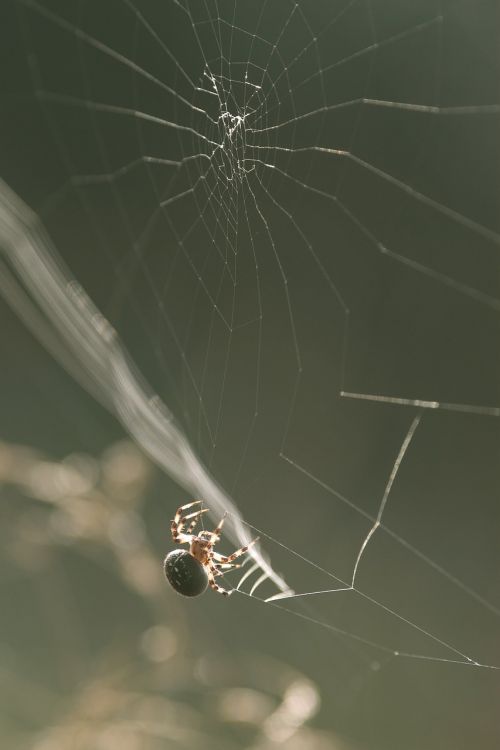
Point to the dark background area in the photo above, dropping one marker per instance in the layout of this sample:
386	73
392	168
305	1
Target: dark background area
96	651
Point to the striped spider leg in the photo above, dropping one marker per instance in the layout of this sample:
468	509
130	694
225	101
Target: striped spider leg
177	526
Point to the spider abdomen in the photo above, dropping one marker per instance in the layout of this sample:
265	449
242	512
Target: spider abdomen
185	573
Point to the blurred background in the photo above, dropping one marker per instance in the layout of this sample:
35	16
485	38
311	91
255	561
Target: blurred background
188	160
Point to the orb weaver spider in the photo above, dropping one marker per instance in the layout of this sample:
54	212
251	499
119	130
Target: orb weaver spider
189	572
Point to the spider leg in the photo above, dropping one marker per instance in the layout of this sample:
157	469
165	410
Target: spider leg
216	531
195	517
177	534
238	553
226	567
218	559
179	522
219	569
179	511
213	585
192	525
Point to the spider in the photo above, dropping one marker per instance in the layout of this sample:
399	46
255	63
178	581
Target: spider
190	572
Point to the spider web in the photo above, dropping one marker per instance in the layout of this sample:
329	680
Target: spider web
293	210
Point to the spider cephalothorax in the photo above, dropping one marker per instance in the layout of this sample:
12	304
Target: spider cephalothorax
190	572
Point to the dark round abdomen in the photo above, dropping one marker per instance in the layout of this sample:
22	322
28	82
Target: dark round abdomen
184	573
